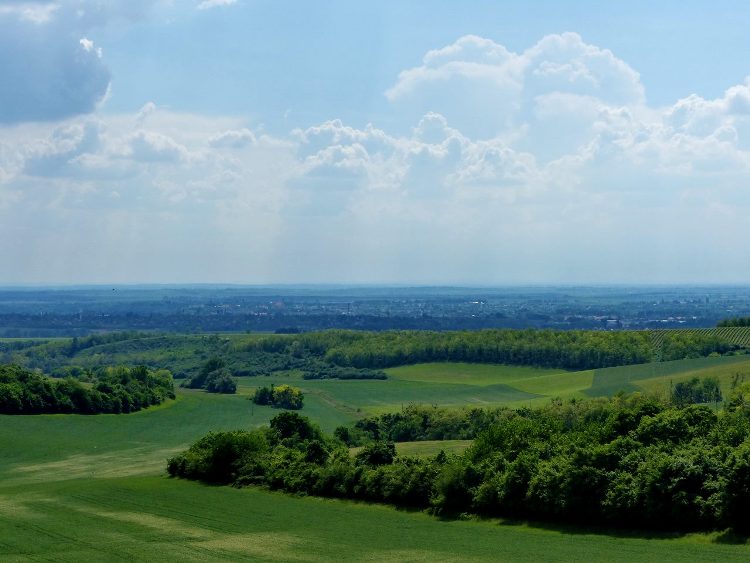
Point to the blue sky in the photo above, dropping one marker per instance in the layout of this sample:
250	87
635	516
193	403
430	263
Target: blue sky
391	142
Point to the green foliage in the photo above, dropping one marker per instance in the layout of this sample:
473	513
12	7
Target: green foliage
326	371
419	422
263	396
214	377
220	457
290	425
736	321
629	461
283	396
377	453
696	391
109	465
115	390
574	349
287	397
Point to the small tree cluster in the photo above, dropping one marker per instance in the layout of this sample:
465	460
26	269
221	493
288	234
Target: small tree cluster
283	397
214	377
696	391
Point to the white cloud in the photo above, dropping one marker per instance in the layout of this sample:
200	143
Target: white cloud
54	67
150	146
107	198
577	179
235	139
208	4
478	77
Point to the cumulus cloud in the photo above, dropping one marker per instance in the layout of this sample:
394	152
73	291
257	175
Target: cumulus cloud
574	179
58	153
477	77
52	77
150	146
109	198
233	139
52	69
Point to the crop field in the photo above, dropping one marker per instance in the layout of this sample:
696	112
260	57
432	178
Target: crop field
739	335
375	396
76	488
659	375
485	385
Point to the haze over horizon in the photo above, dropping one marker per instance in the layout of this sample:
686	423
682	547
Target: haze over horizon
257	142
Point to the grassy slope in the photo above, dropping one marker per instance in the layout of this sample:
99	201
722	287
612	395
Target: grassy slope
534	381
92	488
632	378
375	396
72	446
142	518
653	377
724	372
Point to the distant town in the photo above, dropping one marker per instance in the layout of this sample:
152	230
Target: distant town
71	311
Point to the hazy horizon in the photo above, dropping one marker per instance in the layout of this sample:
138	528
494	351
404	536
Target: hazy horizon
473	144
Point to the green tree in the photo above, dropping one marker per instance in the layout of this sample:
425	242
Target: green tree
287	397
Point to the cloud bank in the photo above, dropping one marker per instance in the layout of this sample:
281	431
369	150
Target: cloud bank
542	166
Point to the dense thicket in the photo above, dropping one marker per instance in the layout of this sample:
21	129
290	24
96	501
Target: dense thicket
737	321
573	349
629	461
706	390
416	423
114	390
324	371
214	377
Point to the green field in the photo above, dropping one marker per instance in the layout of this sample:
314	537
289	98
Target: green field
658	375
364	397
78	487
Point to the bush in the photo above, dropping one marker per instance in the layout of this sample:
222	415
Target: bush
214	377
283	397
696	391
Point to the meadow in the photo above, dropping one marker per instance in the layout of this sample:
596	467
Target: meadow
77	487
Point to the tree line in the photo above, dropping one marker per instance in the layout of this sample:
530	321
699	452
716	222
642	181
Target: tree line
630	461
571	349
117	389
735	321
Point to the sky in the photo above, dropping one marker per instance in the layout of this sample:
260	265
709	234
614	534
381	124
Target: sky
421	142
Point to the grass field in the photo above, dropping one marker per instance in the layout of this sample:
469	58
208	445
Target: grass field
543	384
658	375
486	385
81	488
362	397
155	518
